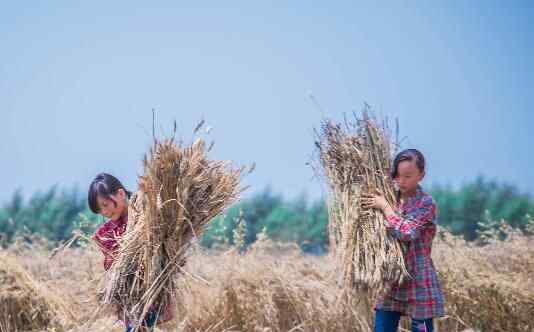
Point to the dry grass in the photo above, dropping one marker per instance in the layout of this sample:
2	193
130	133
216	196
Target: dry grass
355	157
180	191
275	288
488	287
26	304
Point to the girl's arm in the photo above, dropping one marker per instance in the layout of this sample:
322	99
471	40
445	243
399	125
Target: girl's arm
410	227
105	244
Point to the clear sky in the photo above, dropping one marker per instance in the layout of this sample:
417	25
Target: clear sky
78	82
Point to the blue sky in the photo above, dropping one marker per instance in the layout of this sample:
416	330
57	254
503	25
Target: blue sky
78	82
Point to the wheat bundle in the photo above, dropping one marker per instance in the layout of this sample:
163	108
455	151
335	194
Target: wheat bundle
25	304
355	157
180	192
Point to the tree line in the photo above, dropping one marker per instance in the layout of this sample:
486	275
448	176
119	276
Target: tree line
470	210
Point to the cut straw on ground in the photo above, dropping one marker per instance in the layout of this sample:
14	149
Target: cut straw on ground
26	304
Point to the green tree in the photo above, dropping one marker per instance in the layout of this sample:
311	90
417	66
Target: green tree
463	211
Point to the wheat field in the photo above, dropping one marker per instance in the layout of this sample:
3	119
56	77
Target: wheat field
274	287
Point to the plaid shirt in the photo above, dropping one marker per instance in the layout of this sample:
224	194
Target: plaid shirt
107	236
419	297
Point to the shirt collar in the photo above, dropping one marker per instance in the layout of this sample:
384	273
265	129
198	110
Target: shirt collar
418	195
419	192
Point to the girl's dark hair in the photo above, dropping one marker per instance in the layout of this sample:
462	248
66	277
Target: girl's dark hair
104	185
408	154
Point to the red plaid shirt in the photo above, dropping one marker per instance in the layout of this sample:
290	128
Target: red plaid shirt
107	236
419	297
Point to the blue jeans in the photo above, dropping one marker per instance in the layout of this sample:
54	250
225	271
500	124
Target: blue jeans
149	322
388	321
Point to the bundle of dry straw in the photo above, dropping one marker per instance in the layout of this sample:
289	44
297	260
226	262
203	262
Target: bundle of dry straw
25	304
180	192
355	157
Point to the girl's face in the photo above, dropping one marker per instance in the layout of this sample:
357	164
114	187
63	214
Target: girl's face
408	176
114	207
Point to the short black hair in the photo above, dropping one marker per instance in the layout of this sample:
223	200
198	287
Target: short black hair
408	154
103	185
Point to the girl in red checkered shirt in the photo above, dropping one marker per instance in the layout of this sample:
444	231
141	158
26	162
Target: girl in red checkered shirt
412	221
108	197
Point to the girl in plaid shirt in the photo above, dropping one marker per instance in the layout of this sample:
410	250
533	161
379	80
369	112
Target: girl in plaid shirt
108	197
414	222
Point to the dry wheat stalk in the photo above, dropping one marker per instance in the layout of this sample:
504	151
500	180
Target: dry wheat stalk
26	304
180	192
355	157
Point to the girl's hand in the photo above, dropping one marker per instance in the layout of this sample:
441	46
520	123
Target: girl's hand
374	201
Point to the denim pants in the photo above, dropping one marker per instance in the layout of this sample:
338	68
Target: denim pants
388	321
149	322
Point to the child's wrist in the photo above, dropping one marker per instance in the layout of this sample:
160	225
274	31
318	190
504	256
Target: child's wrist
387	210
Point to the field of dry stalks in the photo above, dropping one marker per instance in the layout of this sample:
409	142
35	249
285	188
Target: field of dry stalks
273	287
